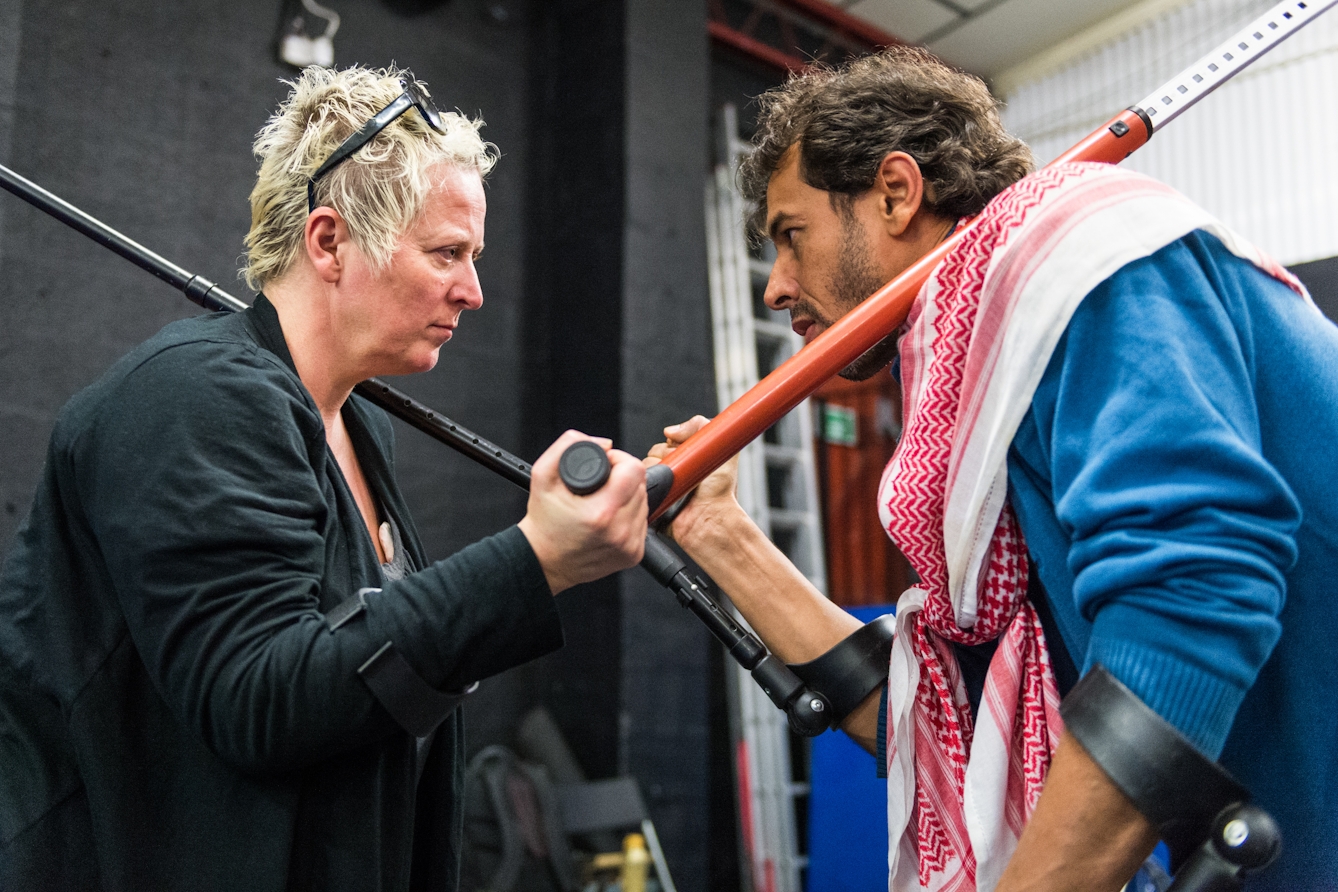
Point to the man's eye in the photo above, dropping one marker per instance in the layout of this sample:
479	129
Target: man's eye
449	253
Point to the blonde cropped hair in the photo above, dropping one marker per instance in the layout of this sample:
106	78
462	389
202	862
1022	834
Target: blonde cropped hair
380	190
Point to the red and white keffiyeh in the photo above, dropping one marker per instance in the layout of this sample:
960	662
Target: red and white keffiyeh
976	344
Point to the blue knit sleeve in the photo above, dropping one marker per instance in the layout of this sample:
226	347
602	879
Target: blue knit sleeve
1161	531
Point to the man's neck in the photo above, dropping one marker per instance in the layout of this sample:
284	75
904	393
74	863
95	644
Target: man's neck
924	232
928	230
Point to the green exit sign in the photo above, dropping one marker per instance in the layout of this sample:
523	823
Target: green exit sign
840	425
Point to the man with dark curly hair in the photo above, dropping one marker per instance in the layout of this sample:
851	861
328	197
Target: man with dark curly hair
1107	471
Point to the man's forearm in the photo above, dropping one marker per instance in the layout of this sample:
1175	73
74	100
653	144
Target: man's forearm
794	619
1085	835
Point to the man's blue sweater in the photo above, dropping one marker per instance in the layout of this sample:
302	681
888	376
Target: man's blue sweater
1175	481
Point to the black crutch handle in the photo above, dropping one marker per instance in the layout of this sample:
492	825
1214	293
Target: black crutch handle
584	468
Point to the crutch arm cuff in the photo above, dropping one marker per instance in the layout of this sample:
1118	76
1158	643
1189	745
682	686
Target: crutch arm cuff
415	705
851	670
1177	788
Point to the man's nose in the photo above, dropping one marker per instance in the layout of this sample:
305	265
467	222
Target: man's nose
782	288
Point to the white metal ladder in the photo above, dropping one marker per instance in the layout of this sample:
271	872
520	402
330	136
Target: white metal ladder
778	488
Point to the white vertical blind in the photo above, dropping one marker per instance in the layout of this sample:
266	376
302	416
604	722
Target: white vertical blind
1261	153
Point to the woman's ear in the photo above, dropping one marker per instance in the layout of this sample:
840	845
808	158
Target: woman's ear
899	187
324	235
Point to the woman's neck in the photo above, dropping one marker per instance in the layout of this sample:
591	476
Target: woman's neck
313	341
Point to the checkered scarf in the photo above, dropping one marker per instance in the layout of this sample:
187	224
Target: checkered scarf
976	344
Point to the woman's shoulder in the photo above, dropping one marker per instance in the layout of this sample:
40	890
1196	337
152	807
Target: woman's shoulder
210	368
220	342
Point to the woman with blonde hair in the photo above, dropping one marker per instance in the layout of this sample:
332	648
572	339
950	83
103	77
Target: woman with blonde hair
227	662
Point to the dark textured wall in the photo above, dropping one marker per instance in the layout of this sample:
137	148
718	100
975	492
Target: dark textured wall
668	376
620	346
573	301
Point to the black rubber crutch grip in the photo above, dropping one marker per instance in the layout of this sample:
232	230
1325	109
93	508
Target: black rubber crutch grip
584	467
1245	839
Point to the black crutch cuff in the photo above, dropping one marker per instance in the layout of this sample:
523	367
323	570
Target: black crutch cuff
417	706
1177	788
853	669
413	703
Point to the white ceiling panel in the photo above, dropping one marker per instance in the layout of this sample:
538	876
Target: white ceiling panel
1012	31
909	20
986	36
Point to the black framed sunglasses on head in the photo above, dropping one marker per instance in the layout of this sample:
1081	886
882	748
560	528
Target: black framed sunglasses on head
412	97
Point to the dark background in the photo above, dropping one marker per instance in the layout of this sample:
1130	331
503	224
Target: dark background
1321	278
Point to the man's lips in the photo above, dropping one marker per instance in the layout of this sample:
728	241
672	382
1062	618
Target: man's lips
806	329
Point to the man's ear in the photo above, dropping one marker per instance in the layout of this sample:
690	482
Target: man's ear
898	188
324	235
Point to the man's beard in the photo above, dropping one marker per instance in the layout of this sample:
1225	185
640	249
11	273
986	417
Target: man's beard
856	279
